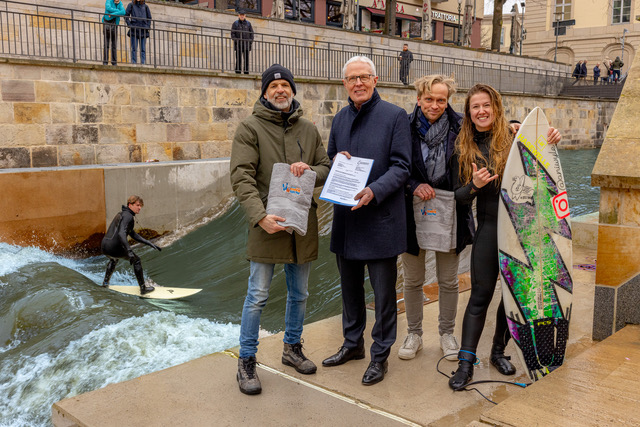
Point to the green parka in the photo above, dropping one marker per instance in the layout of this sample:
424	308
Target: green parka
262	139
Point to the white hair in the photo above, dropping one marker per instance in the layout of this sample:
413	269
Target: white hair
359	58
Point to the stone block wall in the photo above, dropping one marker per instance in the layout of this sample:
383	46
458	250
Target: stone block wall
57	114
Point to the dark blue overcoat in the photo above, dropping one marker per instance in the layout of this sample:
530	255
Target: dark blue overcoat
378	131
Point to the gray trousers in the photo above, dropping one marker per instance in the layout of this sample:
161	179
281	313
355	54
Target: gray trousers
414	276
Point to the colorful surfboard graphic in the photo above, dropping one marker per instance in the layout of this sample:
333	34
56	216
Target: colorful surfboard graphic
534	241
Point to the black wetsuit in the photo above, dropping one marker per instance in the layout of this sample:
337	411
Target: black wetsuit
116	246
484	258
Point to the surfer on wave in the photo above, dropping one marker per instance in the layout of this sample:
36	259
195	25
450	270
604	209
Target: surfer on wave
482	149
115	244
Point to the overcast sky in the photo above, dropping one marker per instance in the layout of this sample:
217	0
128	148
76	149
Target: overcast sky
488	7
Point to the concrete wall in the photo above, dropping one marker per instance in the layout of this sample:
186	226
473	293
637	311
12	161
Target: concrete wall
58	114
67	210
617	295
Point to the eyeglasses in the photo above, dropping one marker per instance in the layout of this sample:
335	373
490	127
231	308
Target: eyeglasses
364	78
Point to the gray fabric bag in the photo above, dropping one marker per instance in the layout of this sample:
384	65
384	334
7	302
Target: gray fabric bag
436	221
290	197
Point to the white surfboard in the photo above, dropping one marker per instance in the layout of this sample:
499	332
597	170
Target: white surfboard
534	248
160	292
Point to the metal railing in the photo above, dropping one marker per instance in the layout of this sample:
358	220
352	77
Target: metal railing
37	31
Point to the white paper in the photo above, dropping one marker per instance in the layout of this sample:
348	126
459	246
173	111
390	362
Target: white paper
347	178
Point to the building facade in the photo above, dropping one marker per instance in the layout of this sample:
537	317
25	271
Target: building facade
446	15
589	30
510	34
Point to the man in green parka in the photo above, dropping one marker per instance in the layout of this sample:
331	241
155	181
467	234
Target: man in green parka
275	133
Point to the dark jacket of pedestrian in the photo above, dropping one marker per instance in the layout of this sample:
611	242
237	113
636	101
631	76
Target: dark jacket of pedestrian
113	12
406	58
465	226
596	72
583	70
577	70
242	34
617	64
138	17
262	139
378	131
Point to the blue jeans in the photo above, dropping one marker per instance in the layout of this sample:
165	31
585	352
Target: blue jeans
297	278
134	48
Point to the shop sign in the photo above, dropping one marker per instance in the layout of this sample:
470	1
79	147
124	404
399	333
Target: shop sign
442	16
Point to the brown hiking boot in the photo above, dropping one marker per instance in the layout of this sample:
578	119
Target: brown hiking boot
247	376
292	356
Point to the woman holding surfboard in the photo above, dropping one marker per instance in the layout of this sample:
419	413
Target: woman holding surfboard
481	154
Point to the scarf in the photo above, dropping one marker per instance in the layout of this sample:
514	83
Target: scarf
434	137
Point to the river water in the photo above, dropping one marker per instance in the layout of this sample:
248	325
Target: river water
62	335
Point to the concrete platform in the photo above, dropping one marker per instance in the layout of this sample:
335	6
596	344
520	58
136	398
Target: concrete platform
204	392
597	388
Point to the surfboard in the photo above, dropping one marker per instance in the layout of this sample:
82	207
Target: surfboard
160	292
534	248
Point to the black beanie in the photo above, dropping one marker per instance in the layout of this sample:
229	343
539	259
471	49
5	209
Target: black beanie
277	72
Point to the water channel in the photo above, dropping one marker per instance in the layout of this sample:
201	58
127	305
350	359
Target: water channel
62	335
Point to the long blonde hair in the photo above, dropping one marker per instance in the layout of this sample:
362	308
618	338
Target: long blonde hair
501	138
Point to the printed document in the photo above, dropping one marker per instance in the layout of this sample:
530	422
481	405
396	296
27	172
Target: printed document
346	179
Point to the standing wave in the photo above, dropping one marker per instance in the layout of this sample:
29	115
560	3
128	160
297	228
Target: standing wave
29	385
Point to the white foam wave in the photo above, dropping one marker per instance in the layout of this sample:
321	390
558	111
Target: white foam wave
13	258
114	353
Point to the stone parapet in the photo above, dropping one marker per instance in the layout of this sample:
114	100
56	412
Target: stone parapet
616	172
60	114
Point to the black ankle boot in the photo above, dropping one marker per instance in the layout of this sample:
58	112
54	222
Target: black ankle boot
464	374
500	361
145	289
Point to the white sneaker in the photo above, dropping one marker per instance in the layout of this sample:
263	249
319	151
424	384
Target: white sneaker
412	344
449	346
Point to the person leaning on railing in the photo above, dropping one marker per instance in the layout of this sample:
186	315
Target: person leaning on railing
139	25
113	10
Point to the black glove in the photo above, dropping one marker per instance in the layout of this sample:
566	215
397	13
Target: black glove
157	248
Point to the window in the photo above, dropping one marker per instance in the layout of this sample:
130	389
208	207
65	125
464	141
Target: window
502	37
563	10
451	33
621	11
415	29
334	17
252	6
303	9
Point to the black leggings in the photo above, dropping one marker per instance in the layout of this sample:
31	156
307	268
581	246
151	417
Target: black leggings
137	268
484	274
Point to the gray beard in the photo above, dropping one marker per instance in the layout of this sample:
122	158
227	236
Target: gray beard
280	105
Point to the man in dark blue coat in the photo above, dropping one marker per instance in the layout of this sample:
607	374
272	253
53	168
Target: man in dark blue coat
242	36
372	233
138	19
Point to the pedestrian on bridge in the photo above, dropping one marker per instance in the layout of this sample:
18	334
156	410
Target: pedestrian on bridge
406	58
596	74
242	36
616	66
113	10
138	19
